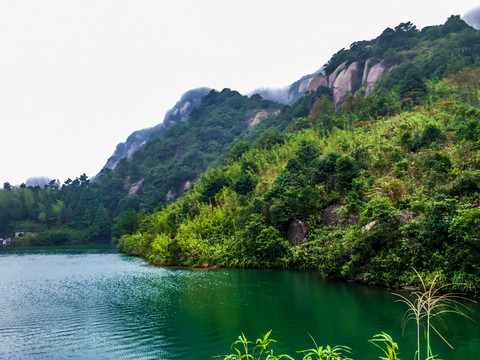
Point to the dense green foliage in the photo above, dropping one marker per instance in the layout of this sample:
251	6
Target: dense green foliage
81	210
389	182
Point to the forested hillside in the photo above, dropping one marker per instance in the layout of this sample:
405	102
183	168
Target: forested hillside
387	182
81	210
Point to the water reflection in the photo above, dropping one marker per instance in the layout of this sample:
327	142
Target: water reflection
61	303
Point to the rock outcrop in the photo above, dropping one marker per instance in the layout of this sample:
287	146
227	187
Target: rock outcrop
344	80
136	188
297	232
185	186
343	84
317	81
259	116
372	74
333	76
180	112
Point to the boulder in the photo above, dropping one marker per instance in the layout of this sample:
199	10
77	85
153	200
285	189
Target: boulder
297	232
330	216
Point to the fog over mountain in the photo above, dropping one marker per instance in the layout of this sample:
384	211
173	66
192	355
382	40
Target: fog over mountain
37	180
472	18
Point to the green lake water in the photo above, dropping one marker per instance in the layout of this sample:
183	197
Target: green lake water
93	303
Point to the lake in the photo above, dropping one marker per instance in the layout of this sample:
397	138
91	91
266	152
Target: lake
83	302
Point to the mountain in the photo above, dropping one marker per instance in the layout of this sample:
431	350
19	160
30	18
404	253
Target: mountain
189	101
372	173
367	184
166	166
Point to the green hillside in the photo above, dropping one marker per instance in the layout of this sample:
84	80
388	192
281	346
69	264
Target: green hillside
387	183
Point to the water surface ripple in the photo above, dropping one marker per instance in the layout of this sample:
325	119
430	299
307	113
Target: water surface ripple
92	303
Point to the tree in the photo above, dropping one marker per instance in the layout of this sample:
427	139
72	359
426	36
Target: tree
345	172
269	138
468	82
213	187
128	222
412	86
238	149
100	229
244	184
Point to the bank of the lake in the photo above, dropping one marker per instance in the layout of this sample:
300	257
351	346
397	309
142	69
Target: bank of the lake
91	302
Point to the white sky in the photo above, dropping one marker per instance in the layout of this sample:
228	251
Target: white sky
77	77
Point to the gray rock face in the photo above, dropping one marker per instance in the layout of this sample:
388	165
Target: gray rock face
297	232
372	75
365	71
134	142
185	186
333	76
182	109
343	83
136	188
317	81
180	112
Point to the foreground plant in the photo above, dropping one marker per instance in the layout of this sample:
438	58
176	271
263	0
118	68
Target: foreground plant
262	348
430	302
386	340
326	353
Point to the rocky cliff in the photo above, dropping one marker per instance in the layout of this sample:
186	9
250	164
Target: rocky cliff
189	101
346	79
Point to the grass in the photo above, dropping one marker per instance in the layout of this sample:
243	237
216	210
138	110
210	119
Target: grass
425	307
429	303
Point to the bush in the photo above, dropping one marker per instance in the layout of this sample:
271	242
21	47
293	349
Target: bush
244	185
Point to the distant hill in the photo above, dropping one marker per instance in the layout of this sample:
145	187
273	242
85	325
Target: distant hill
189	101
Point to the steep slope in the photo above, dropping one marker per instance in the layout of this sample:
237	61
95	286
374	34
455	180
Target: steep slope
189	101
165	167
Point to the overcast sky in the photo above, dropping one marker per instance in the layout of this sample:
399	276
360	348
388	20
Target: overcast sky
77	77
